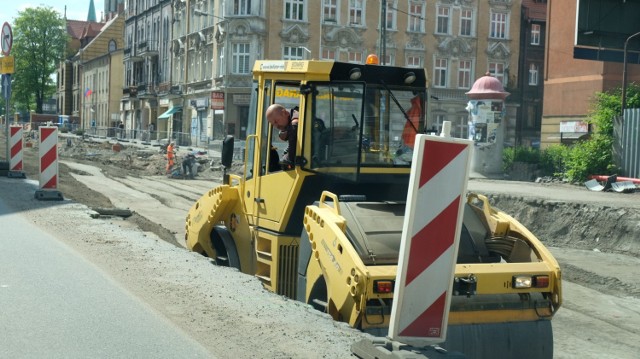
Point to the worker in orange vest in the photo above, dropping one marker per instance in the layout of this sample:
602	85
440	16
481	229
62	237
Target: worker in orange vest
170	157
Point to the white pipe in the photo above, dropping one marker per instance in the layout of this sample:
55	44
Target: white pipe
446	129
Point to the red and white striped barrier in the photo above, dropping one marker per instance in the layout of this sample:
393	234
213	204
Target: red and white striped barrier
48	151
431	232
15	145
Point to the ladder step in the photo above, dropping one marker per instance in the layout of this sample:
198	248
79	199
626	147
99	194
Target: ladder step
320	303
264	278
264	254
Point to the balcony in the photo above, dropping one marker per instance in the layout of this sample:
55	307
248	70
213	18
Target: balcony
129	91
132	55
148	48
147	91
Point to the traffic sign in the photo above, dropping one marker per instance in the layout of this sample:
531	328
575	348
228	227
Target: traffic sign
6	39
6	87
7	65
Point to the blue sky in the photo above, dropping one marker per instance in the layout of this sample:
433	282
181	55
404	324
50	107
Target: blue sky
76	9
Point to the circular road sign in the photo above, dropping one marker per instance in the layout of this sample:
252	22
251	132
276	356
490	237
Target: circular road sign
6	38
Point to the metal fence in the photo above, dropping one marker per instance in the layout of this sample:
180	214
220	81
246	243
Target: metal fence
180	138
626	133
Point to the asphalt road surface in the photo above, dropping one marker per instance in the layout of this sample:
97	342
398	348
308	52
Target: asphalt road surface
56	304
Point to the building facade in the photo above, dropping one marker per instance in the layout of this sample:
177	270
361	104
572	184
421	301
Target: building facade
531	84
102	68
187	63
570	84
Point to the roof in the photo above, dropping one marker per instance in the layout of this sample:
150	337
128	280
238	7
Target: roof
487	87
75	28
535	9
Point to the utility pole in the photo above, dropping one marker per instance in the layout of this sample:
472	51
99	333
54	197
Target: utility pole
383	31
624	73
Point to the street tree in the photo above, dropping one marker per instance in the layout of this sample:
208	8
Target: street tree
39	42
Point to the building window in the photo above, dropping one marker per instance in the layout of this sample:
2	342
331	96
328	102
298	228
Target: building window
292	53
355	57
356	12
439	121
242	7
328	54
442	20
496	69
498	26
461	128
440	73
414	61
241	54
533	75
464	74
388	59
466	22
294	10
391	15
535	34
416	16
330	11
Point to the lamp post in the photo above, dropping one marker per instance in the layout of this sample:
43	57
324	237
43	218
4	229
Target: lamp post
624	72
225	51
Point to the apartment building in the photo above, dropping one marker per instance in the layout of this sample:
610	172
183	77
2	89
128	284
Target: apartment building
147	77
188	62
102	75
531	84
68	75
571	83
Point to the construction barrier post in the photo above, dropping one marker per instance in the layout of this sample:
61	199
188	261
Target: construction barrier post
48	154
16	142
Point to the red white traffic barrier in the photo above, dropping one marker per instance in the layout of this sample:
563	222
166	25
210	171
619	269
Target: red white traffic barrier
618	179
48	151
431	232
15	144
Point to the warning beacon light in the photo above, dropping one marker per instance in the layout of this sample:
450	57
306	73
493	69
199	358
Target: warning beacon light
372	59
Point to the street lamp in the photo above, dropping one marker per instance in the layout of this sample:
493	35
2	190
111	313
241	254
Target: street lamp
624	73
202	13
307	51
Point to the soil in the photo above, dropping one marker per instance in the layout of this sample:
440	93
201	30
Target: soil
119	159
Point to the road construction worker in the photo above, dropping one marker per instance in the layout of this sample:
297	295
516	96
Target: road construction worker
170	157
188	162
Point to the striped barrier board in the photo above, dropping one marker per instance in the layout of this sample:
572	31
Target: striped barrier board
48	154
15	145
430	236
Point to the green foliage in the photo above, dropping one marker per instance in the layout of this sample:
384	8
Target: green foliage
519	154
79	132
40	37
552	160
590	157
595	155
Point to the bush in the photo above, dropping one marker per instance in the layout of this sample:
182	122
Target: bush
552	160
79	132
591	157
519	154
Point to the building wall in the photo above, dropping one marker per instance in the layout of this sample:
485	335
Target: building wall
101	61
571	84
177	81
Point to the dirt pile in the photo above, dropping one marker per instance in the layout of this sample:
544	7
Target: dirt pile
563	224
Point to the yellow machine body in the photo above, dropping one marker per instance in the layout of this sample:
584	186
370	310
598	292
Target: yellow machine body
326	229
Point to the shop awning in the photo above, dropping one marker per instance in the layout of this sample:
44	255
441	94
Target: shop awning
170	112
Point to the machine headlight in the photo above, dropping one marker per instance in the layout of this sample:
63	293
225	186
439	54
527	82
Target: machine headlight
522	281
